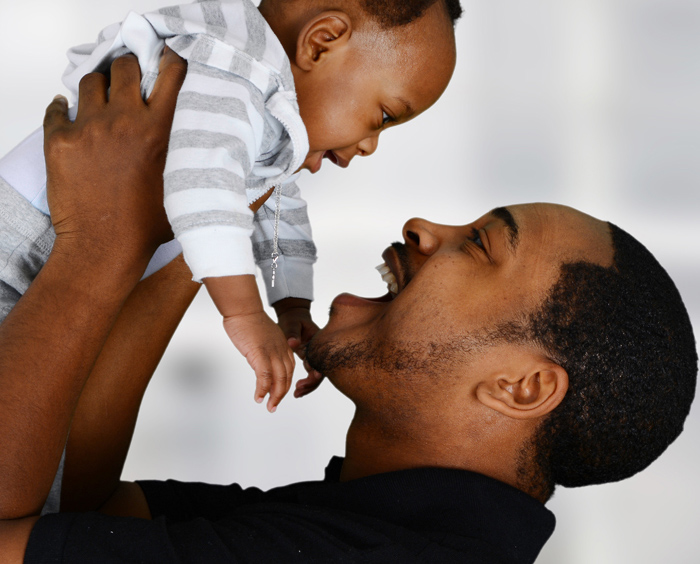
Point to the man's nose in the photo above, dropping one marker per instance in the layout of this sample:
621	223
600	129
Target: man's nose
422	235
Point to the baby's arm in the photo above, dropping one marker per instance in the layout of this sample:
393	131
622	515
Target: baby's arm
254	334
292	294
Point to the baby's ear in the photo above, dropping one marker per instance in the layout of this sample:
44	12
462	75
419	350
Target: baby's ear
322	35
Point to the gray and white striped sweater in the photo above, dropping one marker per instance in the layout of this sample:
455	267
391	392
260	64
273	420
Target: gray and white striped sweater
236	133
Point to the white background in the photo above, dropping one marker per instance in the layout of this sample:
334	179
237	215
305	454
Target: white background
590	103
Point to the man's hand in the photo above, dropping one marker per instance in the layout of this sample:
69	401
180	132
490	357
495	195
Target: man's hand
51	339
294	317
126	176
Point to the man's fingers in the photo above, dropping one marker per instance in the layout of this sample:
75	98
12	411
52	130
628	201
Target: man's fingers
92	95
171	75
125	81
56	116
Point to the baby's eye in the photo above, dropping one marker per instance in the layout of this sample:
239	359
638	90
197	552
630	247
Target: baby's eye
386	118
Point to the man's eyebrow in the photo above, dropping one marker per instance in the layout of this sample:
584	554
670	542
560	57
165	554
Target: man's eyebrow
511	226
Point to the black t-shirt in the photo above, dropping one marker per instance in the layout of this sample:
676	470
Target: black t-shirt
433	515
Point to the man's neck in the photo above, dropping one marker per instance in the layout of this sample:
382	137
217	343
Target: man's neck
372	447
370	451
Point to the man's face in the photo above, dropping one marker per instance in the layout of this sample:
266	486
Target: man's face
454	285
381	78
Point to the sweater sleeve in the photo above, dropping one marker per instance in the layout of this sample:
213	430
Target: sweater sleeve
297	252
216	135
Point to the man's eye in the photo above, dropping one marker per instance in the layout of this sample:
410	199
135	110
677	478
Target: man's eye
476	238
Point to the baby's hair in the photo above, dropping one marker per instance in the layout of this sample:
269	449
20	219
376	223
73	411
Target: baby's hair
394	13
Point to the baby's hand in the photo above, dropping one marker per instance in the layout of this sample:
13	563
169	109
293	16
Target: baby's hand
310	383
294	315
265	348
255	335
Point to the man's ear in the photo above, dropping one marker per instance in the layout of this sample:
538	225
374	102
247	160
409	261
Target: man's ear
531	390
321	35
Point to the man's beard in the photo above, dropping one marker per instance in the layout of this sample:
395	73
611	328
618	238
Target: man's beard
407	359
404	359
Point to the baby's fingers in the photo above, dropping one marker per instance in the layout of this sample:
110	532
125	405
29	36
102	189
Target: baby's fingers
263	381
310	383
283	370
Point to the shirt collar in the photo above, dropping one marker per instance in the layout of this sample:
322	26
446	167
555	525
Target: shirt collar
460	502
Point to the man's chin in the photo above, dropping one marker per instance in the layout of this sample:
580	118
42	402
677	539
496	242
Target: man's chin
330	357
345	340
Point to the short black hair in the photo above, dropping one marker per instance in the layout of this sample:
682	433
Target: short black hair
624	336
394	13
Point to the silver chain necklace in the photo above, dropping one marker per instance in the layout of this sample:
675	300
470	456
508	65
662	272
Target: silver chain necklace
275	238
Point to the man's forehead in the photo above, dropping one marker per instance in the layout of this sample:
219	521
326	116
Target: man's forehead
570	233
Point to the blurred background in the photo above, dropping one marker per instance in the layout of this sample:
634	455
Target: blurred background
590	103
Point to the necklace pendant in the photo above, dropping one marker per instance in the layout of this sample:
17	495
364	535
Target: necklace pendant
275	238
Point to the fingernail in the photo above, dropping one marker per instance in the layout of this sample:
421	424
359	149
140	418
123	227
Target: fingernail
60	98
258	400
273	409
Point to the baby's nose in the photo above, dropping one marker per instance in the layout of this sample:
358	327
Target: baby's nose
368	146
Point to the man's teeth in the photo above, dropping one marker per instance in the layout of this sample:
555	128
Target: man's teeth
389	278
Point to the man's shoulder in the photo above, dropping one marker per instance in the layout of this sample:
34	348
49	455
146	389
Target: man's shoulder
442	512
417	515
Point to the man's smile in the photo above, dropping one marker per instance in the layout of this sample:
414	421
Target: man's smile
388	277
395	270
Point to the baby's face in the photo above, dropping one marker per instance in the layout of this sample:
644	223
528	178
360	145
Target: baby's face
380	80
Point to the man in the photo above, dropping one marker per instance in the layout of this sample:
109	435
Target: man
533	346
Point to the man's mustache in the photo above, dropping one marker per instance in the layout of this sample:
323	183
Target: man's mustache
407	271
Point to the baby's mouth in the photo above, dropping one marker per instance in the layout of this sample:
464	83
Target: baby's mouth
330	155
336	159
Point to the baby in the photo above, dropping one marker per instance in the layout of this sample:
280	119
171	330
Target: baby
269	91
